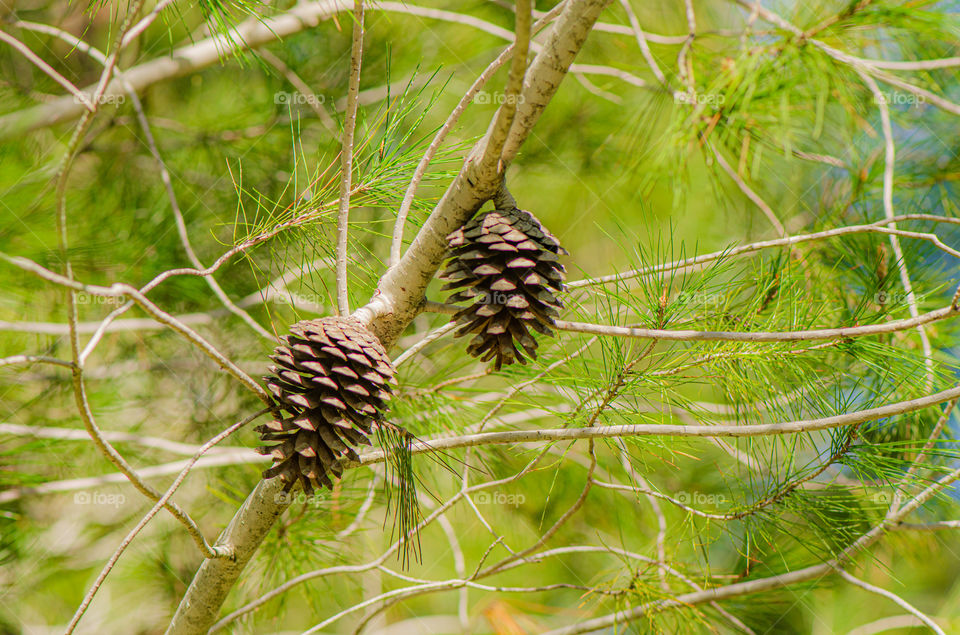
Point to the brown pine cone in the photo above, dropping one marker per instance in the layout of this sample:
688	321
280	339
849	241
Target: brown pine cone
333	376
508	265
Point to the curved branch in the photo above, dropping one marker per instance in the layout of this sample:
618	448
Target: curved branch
866	586
696	261
182	61
599	432
759	336
108	567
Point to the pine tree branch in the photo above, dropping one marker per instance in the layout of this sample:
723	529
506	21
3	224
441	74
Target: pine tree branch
935	526
748	191
923	455
201	603
886	624
759	336
918	65
398	300
346	159
79	97
866	586
297	82
888	169
171	490
432	336
857	63
252	34
690	335
145	22
448	125
399	295
641	38
491	159
34	359
698	261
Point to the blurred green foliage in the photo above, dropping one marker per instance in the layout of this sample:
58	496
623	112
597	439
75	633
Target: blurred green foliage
625	176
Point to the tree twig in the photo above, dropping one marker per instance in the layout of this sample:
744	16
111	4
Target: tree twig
696	261
866	586
888	168
220	551
396	244
759	336
400	292
346	159
37	61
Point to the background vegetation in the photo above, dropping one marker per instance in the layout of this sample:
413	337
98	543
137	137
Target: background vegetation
628	170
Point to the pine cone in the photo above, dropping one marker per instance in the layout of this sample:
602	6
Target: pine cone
508	264
333	376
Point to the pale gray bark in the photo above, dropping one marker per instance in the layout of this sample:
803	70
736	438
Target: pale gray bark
201	604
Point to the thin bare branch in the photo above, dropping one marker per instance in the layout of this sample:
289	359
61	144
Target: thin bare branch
866	586
748	191
888	168
641	38
346	159
37	61
699	261
295	80
34	359
759	336
220	551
